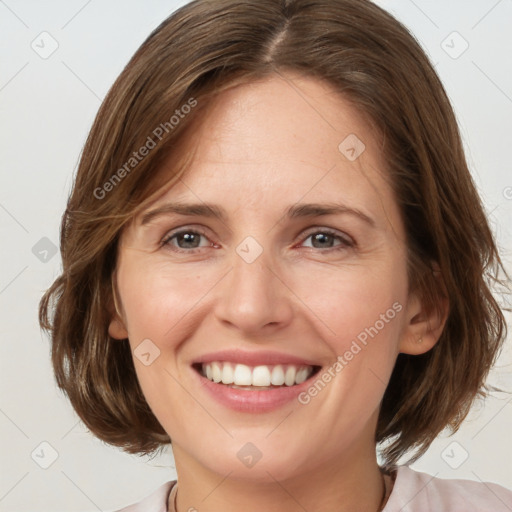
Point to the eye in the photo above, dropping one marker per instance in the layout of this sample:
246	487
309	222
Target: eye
189	240
185	240
323	239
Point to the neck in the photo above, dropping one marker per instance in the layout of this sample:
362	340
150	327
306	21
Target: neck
355	483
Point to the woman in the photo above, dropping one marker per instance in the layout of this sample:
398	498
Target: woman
274	256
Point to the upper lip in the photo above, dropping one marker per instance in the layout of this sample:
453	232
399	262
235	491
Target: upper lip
253	358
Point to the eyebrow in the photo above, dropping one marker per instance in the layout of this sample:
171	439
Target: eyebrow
292	212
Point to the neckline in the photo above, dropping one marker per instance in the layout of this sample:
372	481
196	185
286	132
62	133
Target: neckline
391	475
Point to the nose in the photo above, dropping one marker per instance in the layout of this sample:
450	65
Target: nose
254	298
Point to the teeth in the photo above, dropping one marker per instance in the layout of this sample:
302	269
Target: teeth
289	376
259	376
216	372
243	374
277	377
228	377
301	376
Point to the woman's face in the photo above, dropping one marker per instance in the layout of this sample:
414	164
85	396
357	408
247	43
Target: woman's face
304	271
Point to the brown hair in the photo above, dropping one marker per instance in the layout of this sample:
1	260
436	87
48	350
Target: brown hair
372	60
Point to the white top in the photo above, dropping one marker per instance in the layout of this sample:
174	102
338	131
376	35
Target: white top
413	492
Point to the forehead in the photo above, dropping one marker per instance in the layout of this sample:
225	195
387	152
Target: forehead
282	140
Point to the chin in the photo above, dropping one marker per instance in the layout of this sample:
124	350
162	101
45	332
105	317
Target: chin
258	462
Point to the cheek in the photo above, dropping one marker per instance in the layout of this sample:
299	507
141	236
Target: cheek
355	302
157	298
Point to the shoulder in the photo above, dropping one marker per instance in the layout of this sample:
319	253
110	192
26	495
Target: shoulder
155	502
419	492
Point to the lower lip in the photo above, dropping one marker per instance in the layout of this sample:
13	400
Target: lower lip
253	401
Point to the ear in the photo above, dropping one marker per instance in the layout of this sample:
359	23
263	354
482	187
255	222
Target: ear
424	327
116	328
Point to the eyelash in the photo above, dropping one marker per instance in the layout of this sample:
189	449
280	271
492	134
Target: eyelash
346	242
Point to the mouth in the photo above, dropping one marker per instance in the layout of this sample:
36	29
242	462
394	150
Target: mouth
255	378
254	382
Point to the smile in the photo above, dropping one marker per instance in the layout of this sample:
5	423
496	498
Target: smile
251	386
261	377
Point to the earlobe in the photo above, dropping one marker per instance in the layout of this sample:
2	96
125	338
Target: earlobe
117	330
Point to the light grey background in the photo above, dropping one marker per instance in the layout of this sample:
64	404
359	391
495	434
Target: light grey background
46	108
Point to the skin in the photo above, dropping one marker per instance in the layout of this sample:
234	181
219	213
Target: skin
264	147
